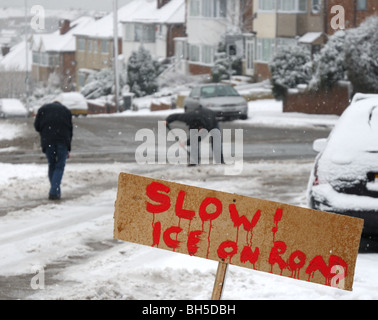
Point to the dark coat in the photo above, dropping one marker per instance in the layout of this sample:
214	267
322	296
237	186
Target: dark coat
202	118
54	124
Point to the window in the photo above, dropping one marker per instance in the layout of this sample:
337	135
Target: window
81	44
265	49
316	6
292	5
194	8
302	6
267	5
95	46
144	32
44	59
129	32
90	46
35	57
194	53
361	4
195	92
53	60
208	8
140	32
104	46
207	54
286	42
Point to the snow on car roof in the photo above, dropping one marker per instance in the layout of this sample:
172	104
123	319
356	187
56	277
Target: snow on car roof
357	128
12	106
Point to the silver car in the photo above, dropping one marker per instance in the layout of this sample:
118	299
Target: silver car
223	99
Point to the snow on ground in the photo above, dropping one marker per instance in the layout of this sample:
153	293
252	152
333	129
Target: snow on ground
76	234
9	131
75	237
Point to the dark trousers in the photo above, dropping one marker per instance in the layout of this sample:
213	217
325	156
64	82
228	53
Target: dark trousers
56	156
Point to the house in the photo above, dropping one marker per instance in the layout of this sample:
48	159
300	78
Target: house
354	11
14	68
279	23
55	53
154	24
95	47
208	23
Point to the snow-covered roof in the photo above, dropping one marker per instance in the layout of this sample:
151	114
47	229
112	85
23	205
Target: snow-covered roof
144	11
15	60
57	42
101	28
310	37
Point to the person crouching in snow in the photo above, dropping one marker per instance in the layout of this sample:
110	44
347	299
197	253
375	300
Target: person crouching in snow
201	119
54	124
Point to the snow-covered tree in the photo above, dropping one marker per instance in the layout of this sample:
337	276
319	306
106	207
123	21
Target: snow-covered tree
222	68
142	73
292	65
361	56
100	84
329	65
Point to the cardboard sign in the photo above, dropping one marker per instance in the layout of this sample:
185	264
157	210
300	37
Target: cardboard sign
262	235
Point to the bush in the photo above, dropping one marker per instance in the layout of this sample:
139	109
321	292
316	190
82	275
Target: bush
361	56
221	69
290	66
100	84
142	73
330	63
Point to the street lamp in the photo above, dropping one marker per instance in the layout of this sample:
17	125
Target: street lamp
115	33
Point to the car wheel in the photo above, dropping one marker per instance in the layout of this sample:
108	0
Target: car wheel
243	117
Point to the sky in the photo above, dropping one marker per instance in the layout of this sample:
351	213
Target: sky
106	5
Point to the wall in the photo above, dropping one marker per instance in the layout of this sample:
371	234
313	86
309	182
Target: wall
313	102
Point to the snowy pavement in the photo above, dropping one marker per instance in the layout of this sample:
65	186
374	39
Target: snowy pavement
71	241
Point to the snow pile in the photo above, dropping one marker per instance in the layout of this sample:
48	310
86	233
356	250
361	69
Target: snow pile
9	131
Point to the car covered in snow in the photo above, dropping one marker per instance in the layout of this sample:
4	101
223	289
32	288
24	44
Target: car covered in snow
345	175
11	108
74	101
223	99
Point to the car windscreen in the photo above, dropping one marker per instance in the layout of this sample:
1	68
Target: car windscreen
218	91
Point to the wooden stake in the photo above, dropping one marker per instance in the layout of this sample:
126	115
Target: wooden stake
219	281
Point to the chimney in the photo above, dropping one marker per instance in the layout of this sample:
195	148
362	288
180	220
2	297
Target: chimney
64	26
161	3
5	49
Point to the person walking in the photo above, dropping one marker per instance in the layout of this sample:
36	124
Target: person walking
200	119
54	124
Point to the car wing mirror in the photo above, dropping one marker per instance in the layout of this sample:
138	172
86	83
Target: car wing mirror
319	145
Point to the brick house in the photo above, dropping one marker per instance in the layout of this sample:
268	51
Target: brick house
154	24
55	53
95	47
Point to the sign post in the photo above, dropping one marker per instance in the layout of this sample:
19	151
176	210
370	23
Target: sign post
219	281
276	238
